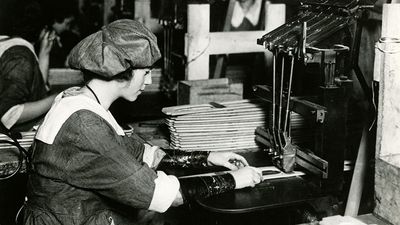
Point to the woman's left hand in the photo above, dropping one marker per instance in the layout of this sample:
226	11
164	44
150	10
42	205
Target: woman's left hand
47	39
229	160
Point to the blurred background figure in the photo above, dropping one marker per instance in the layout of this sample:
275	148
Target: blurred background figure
24	96
61	18
246	15
24	93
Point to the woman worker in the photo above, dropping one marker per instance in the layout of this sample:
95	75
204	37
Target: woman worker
85	170
24	97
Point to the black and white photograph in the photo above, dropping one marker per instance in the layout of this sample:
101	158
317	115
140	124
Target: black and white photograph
199	112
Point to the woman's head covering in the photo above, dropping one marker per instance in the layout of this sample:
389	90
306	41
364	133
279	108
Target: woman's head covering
119	46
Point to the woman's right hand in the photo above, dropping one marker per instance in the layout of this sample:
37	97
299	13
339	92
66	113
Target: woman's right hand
247	177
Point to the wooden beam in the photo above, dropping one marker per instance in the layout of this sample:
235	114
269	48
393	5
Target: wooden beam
234	42
200	43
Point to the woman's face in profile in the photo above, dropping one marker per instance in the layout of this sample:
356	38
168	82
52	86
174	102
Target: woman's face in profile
134	87
65	25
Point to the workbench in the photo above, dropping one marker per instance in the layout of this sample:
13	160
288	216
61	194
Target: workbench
277	199
271	198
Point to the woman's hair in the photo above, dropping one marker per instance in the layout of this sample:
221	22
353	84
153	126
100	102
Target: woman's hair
123	76
24	19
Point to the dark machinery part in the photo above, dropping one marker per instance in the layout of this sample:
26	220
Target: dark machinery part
323	18
171	15
13	182
308	37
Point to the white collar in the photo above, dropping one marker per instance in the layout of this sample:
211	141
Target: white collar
4	45
253	14
63	108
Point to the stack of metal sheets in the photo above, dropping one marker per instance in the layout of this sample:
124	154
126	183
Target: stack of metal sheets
215	126
25	141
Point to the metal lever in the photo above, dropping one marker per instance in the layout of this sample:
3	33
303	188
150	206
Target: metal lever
302	54
289	94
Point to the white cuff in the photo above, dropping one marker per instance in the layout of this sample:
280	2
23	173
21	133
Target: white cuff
167	187
11	117
148	154
152	155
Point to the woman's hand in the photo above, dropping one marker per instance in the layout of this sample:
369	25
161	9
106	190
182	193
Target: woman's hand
229	160
247	177
47	39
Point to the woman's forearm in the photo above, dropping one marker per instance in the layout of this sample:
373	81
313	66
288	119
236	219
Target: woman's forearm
44	61
33	110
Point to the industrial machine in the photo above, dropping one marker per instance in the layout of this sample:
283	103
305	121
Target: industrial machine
314	53
319	37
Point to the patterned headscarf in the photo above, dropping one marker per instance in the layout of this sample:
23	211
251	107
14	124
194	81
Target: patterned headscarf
119	46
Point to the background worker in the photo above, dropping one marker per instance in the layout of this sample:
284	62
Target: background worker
24	97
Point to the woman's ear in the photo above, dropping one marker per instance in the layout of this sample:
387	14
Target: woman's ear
121	83
125	83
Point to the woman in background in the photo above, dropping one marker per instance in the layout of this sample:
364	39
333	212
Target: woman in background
24	95
62	18
85	170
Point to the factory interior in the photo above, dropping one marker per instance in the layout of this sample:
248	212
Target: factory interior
304	90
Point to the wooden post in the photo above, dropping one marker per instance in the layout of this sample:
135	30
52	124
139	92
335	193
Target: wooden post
388	134
227	26
387	166
357	181
200	43
108	4
197	41
390	20
275	16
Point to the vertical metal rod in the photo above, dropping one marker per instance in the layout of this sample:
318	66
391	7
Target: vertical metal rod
277	140
323	66
333	73
281	93
169	48
273	90
302	51
288	94
165	48
327	74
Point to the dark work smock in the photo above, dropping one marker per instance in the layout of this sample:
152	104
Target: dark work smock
20	81
85	170
74	179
